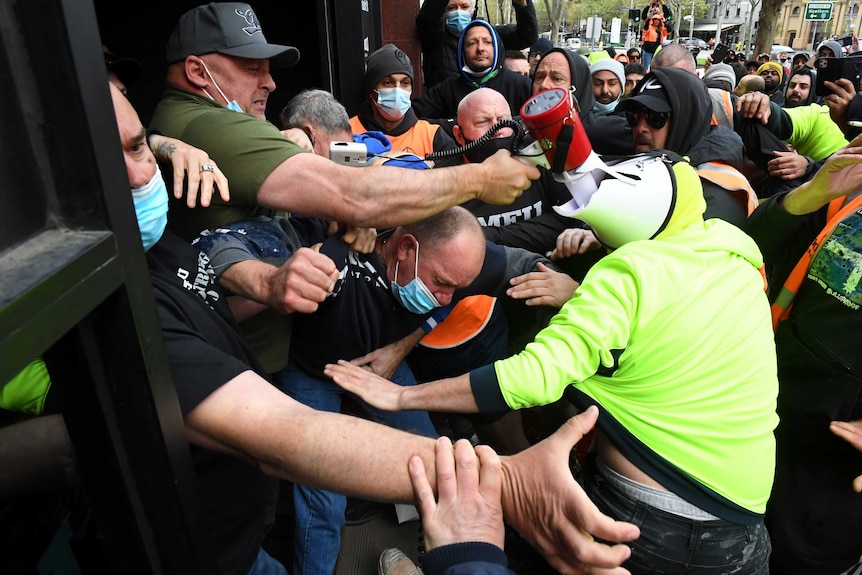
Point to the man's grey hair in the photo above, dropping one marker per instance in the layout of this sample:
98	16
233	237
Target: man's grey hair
318	108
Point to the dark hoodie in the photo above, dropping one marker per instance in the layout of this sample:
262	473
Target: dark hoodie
691	134
441	101
608	133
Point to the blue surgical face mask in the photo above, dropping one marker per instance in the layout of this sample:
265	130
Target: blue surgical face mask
394	102
457	20
151	209
230	105
415	296
599	107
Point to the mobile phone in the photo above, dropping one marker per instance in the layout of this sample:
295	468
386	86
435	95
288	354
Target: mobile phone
846	41
833	69
719	54
348	153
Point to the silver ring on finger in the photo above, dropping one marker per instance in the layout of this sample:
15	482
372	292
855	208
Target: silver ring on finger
207	168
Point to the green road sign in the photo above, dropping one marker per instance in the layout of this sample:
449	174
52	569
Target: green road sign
818	11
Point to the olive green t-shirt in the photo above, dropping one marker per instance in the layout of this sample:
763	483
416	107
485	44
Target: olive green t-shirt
247	149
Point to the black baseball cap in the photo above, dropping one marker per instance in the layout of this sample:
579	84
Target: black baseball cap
228	28
650	95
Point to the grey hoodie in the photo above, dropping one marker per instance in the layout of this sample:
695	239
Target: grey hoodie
836	48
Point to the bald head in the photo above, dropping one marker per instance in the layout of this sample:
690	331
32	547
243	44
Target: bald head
750	83
449	247
478	111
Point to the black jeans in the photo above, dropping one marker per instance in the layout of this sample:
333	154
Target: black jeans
670	543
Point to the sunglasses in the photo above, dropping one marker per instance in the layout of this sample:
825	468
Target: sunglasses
656	120
633	57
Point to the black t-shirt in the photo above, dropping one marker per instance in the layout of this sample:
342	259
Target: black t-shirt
362	314
236	500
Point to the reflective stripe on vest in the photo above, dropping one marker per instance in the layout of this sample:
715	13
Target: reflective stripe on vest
466	320
835	214
730	179
721	100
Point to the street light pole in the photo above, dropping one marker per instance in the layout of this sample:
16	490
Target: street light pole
718	26
691	22
747	15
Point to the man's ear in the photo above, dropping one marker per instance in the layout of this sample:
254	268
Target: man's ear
459	136
406	246
196	73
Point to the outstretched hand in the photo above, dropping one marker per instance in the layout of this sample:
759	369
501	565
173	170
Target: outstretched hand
552	511
368	386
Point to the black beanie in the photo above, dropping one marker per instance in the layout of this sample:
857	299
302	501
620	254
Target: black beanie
383	62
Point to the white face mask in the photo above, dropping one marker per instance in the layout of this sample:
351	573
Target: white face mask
230	105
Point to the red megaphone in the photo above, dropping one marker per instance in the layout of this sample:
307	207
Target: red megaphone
553	121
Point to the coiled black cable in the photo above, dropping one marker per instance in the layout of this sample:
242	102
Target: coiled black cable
517	127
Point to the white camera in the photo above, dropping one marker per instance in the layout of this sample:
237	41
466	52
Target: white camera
348	153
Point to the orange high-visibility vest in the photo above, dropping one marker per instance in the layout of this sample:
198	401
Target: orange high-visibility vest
466	320
650	34
418	140
835	214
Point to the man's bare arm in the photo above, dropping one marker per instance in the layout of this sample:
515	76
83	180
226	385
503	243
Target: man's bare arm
354	456
384	197
248	416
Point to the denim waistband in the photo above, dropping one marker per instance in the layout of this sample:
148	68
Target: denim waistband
658	498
